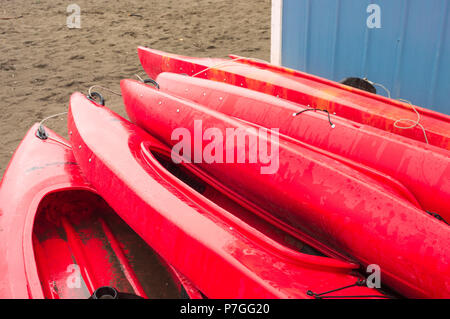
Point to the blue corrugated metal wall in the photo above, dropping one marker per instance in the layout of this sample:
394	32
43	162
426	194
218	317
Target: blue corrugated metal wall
409	54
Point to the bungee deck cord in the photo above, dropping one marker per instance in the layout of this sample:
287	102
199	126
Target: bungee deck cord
217	65
358	283
312	109
396	123
42	134
414	123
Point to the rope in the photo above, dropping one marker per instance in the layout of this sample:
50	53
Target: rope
140	79
51	116
396	123
41	133
58	141
381	86
106	89
219	64
414	123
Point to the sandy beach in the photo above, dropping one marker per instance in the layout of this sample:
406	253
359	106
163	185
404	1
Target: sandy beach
42	61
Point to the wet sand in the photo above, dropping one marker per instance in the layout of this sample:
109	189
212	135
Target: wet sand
42	61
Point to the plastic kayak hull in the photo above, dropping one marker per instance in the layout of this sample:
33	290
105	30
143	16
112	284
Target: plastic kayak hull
187	224
422	169
60	240
331	202
364	109
303	75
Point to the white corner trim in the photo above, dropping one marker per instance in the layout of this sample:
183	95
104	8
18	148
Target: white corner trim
276	32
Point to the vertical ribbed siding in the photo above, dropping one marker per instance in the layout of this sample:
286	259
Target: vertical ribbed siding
438	55
410	54
335	43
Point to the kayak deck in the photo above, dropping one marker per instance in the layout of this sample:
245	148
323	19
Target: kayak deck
183	174
223	255
59	239
381	114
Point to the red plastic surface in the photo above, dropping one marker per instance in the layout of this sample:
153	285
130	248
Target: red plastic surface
302	75
59	239
215	248
422	170
319	196
361	108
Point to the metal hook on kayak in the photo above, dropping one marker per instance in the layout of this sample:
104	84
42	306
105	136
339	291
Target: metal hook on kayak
328	113
358	283
41	133
153	82
148	81
93	95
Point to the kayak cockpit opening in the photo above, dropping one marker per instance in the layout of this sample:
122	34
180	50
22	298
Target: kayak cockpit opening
195	183
80	245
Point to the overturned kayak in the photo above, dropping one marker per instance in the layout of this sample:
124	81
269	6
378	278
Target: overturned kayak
422	169
364	109
221	247
311	194
61	240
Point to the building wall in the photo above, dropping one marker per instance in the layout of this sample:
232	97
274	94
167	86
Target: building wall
409	54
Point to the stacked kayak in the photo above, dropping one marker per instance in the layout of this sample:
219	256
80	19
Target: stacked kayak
418	169
219	245
310	195
251	188
61	240
346	102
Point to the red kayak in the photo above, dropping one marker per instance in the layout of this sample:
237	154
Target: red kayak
361	108
60	239
221	247
422	169
348	211
302	75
